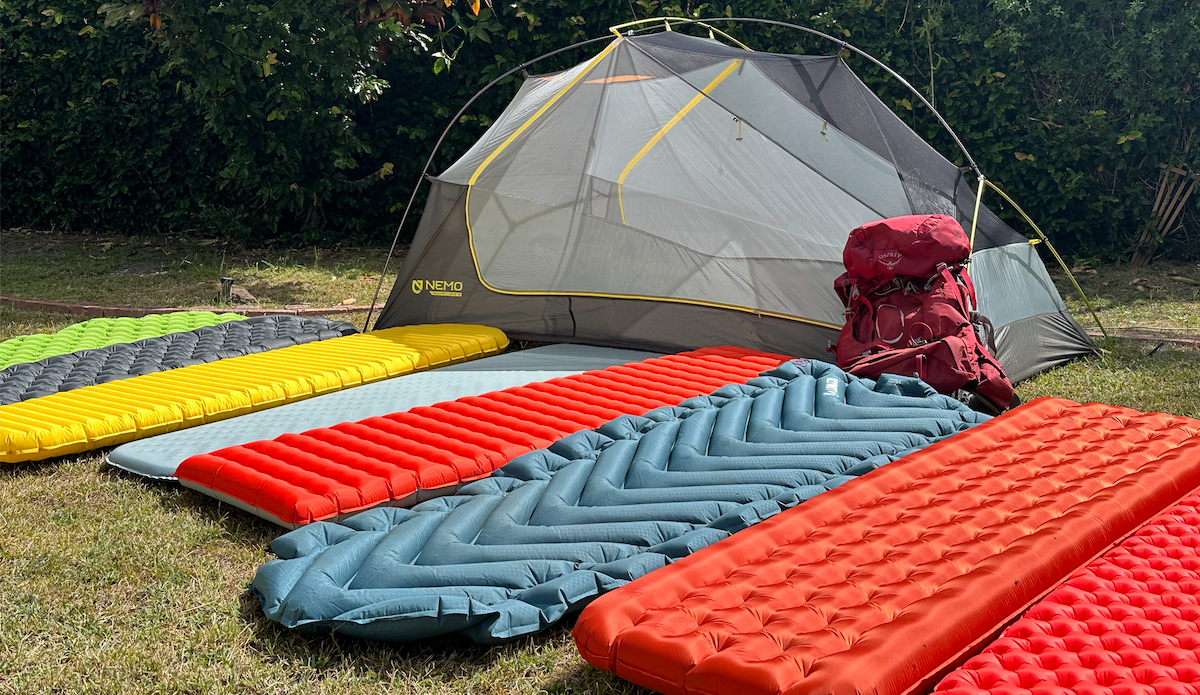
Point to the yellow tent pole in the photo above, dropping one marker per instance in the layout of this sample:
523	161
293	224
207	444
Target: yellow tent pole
714	29
634	23
1061	262
975	216
667	21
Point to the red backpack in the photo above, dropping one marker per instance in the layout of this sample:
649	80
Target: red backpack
910	309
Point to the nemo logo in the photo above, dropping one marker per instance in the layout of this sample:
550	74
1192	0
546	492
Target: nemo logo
438	288
890	258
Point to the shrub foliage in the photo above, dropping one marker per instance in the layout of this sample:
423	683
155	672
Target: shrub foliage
309	120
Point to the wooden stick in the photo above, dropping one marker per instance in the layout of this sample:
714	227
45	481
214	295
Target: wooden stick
1162	186
1186	281
1171	205
1178	209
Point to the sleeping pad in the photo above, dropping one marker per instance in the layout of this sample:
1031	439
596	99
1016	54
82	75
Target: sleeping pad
73	370
160	456
1129	622
141	406
97	333
401	458
511	554
887	582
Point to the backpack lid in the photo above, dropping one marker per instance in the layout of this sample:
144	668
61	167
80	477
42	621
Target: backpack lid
911	245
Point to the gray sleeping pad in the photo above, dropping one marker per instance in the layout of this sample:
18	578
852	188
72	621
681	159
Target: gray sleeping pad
73	370
158	457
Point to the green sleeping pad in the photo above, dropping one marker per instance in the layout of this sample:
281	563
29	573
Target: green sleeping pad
102	332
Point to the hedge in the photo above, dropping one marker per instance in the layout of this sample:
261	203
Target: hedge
308	121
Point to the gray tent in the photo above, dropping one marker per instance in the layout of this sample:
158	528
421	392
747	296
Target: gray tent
674	192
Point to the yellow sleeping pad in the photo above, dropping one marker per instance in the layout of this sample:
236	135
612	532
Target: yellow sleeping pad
121	411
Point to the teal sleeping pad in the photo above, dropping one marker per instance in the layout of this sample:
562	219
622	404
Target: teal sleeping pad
511	554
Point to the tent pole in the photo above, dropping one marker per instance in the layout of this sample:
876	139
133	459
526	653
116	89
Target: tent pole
429	162
975	215
1071	276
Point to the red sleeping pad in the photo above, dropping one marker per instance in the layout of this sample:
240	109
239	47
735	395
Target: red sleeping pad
885	583
323	473
1127	623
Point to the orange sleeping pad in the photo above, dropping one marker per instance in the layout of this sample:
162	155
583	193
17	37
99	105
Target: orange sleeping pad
885	583
1129	622
327	472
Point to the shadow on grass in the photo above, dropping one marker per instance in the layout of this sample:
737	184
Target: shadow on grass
444	661
173	498
279	293
29	469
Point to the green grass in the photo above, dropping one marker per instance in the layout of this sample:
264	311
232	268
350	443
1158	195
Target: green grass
144	271
115	584
14	322
110	583
1167	382
1125	297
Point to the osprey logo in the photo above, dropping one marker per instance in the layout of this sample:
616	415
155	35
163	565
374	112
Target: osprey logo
890	258
438	288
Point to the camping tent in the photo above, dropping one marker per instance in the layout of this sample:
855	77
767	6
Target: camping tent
673	192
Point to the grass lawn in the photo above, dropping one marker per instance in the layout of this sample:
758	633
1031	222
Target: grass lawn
1148	297
110	583
153	271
